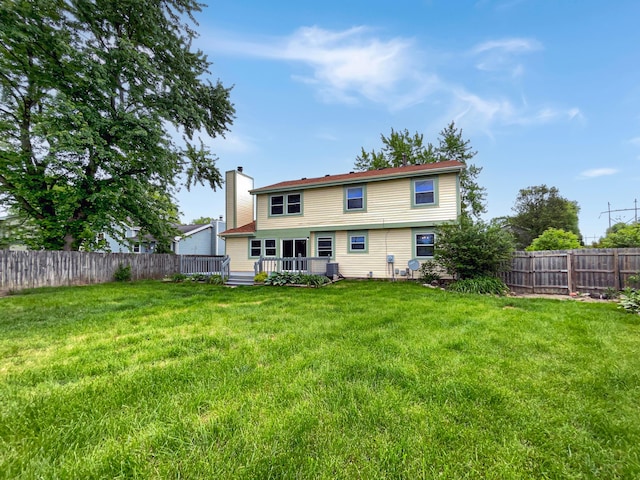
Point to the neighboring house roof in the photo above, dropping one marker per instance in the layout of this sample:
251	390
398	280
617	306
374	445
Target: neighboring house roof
187	230
369	175
247	229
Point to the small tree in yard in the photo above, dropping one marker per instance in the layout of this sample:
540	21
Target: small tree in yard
470	250
621	236
554	239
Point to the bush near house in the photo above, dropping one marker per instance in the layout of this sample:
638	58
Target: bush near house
470	249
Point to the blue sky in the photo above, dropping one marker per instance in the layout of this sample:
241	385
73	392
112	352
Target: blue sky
548	92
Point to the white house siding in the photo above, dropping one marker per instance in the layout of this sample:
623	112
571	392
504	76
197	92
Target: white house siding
387	202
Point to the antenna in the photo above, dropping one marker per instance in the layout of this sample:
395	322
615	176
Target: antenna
634	209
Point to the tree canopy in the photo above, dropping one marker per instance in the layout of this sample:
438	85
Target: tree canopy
538	208
401	148
90	94
622	235
554	239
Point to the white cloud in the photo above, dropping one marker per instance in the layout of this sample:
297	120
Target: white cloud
356	65
348	65
500	55
485	113
232	142
635	141
508	45
598	172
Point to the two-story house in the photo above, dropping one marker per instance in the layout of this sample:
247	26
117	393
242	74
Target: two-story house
372	223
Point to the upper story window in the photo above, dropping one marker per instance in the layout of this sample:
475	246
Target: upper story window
294	204
355	198
289	204
424	192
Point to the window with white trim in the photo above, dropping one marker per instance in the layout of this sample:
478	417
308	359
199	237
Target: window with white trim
256	248
425	244
262	248
325	246
270	248
354	198
424	192
357	242
289	204
294	203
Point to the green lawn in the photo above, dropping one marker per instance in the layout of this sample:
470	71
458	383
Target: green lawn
354	380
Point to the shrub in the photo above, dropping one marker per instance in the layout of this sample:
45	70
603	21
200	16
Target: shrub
215	280
260	277
630	300
429	272
480	285
288	278
178	277
468	250
554	239
633	281
314	280
122	273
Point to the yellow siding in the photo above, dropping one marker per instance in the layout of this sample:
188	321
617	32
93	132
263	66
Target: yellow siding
239	202
388	202
244	205
397	242
237	249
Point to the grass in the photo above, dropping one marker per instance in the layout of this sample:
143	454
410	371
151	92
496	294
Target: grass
354	380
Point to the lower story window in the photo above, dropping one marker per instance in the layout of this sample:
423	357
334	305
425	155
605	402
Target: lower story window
325	246
262	248
256	248
269	248
425	243
357	242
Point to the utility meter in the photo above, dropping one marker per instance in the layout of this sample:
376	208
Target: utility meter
390	259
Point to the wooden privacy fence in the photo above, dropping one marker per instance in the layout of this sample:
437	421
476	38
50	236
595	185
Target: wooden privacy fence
588	270
19	270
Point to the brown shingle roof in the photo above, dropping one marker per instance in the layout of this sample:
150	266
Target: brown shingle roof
451	165
244	229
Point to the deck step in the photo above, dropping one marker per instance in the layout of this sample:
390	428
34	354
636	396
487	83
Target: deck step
240	279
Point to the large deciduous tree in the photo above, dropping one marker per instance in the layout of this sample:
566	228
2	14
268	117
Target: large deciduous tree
538	208
401	148
101	105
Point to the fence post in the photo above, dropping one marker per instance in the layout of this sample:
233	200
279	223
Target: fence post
532	269
616	270
571	271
